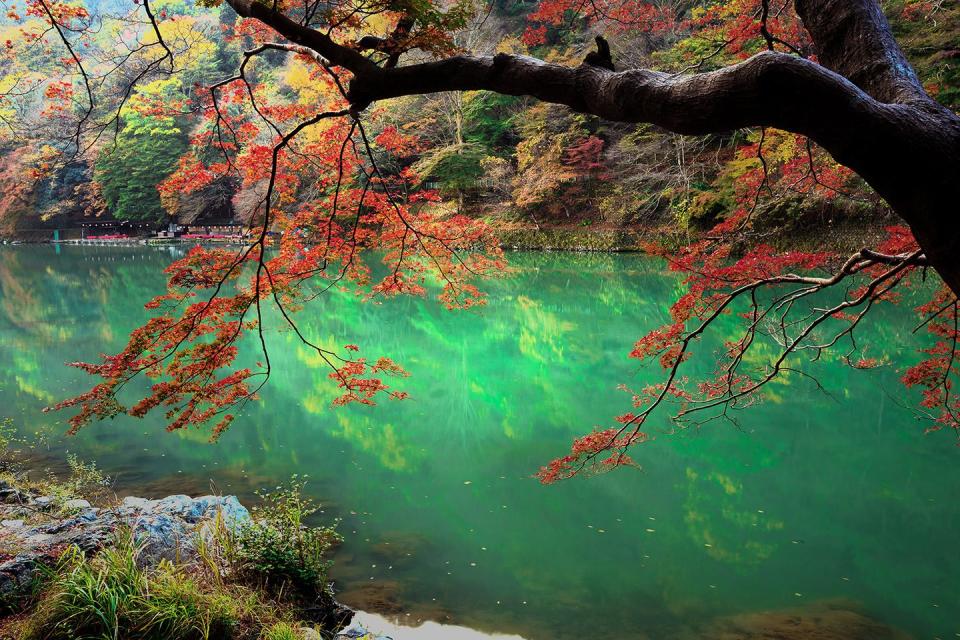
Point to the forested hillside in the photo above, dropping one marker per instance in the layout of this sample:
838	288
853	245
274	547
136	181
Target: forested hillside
524	163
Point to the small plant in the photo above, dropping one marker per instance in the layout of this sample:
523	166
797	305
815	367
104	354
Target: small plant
278	548
8	439
85	478
7	434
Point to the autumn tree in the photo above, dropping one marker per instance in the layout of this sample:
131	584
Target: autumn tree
825	77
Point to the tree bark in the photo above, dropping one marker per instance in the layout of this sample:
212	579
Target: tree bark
862	103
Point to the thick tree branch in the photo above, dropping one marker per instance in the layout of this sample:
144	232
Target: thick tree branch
297	33
769	89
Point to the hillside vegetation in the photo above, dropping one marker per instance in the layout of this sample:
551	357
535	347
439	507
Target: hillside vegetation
522	163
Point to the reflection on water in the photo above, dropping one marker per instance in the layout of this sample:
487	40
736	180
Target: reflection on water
426	631
813	500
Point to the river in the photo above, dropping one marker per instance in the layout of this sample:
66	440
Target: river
814	501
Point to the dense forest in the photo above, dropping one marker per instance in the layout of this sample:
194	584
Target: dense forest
523	163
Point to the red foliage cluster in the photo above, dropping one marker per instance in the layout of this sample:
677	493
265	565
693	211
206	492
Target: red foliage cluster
601	448
649	17
766	291
935	374
322	206
585	155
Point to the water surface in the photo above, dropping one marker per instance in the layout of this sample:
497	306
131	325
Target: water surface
812	500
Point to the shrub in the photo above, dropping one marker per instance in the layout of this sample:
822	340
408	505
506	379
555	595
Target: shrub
278	549
86	480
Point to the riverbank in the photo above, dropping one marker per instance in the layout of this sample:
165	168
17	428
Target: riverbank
149	568
813	232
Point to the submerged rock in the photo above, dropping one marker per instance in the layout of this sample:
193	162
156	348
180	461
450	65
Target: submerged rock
818	622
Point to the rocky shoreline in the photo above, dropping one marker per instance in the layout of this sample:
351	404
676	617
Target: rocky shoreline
841	236
35	529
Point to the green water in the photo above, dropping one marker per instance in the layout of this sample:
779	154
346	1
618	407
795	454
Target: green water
813	499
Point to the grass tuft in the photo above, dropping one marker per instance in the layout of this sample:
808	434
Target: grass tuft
110	596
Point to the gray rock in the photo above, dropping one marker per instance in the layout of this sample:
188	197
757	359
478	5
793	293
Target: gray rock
162	536
80	520
207	507
174	505
137	504
88	538
167	528
355	631
17	574
89	515
37	540
307	633
11	495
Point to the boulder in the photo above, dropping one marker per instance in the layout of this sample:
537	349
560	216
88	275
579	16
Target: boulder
133	502
166	529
